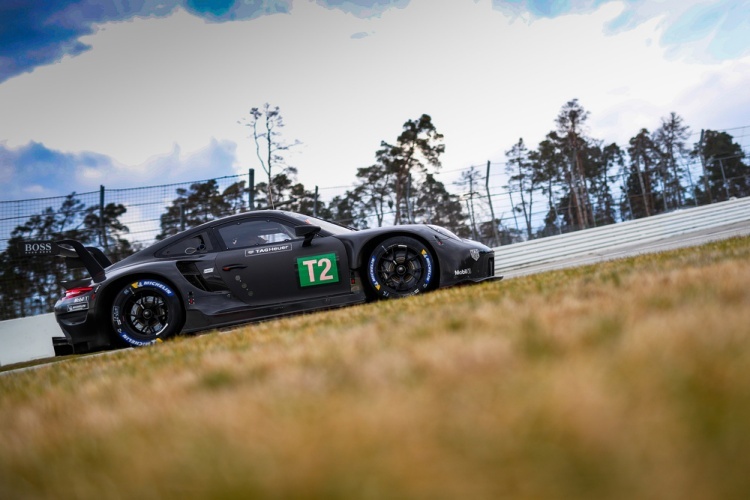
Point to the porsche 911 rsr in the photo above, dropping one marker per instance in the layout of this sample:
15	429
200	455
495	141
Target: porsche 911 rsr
248	267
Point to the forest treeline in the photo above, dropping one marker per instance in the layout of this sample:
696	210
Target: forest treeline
574	177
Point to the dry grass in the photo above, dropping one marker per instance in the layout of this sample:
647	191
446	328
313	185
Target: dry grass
629	379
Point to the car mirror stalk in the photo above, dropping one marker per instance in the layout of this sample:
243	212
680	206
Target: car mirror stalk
308	232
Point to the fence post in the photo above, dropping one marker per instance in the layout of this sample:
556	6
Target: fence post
471	218
408	201
315	203
692	185
251	189
496	237
513	208
705	173
724	178
102	225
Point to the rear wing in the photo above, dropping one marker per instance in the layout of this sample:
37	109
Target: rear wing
76	255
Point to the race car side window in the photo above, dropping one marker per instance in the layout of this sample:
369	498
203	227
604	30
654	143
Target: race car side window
250	233
194	244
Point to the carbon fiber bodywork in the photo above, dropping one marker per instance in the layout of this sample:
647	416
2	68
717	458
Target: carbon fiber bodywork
215	279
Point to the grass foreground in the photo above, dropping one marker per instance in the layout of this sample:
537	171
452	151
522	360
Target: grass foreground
628	379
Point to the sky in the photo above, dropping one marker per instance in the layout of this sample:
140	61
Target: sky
129	93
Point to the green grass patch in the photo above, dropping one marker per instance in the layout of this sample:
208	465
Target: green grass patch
628	379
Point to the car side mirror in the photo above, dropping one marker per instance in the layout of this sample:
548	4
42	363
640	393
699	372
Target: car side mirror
308	232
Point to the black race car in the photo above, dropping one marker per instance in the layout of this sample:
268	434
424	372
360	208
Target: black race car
248	267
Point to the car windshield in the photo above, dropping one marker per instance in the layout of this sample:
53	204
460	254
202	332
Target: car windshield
329	227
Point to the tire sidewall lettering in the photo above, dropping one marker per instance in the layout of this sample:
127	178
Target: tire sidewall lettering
428	261
371	272
120	324
153	284
134	342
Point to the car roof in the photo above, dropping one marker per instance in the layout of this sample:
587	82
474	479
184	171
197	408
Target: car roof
153	249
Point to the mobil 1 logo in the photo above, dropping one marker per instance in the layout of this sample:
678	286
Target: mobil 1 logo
317	269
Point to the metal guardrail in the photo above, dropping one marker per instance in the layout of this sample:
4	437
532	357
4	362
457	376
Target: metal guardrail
589	241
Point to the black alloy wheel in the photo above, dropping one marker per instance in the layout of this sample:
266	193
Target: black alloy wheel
399	267
147	313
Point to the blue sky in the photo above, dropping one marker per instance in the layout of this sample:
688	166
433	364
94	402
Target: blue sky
135	92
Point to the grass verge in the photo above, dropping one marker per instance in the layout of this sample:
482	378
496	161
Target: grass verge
629	379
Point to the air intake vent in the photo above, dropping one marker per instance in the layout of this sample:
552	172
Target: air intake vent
189	270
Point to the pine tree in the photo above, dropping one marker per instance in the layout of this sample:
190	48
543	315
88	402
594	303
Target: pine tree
570	125
193	206
417	151
640	192
523	180
669	143
726	175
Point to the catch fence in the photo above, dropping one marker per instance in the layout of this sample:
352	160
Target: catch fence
26	289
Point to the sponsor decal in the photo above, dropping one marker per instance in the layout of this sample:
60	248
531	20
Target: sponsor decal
208	271
38	248
269	249
474	252
81	299
318	270
461	272
153	284
78	307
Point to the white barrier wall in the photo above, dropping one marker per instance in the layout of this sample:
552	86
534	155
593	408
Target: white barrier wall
25	339
656	228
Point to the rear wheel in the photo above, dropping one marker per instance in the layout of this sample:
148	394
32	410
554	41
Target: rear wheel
146	311
399	267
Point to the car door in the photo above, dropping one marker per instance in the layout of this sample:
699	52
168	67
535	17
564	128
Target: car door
264	262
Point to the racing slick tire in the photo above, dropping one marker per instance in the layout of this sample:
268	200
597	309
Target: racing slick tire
146	311
399	267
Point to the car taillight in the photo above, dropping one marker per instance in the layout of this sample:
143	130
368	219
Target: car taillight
75	292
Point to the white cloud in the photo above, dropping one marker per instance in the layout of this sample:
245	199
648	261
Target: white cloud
150	89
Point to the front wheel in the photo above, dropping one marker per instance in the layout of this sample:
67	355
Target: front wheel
399	267
146	311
